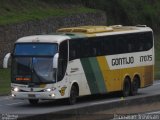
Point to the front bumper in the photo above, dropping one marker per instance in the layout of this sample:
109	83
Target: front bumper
33	95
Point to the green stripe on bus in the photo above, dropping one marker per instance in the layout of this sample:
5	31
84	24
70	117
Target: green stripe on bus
98	75
93	75
89	75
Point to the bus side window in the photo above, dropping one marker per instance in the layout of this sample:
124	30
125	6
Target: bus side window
63	59
97	46
72	50
78	47
148	41
129	47
148	46
106	47
72	54
140	44
140	47
86	48
94	52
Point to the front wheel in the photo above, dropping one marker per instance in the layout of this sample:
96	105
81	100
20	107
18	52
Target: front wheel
73	95
33	101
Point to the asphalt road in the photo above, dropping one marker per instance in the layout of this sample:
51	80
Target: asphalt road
12	106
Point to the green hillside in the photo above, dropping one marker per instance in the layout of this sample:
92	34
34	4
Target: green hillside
4	81
124	12
14	11
129	12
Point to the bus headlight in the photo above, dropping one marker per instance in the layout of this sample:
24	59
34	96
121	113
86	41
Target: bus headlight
16	89
49	89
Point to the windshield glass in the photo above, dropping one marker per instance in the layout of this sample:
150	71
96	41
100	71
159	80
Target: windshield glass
33	70
43	68
35	49
33	63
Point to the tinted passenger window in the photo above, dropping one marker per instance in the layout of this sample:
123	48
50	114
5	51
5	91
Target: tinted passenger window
63	59
110	45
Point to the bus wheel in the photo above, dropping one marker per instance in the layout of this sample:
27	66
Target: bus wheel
73	95
135	86
126	87
33	101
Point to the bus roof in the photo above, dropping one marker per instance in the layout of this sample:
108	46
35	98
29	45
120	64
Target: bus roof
104	29
83	31
43	39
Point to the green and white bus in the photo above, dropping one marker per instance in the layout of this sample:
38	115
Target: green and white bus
81	61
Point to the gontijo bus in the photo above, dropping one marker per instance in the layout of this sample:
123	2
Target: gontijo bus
82	61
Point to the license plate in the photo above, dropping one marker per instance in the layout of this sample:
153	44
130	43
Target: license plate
32	95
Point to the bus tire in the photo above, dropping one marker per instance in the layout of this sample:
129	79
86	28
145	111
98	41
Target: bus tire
73	95
135	86
126	87
33	101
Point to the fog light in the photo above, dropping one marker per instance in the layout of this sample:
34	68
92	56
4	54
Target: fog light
52	95
13	95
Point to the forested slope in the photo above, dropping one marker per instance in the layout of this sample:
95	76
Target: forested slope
129	12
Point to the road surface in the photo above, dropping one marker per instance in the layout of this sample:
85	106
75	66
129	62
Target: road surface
12	106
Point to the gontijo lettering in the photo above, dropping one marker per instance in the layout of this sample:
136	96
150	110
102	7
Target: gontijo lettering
123	61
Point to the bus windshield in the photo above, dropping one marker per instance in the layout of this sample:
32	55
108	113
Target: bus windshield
33	63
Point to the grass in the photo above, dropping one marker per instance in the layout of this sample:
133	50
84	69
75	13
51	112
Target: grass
157	65
4	81
24	10
127	12
36	14
157	57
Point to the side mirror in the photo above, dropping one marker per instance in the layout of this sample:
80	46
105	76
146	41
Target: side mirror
6	60
55	60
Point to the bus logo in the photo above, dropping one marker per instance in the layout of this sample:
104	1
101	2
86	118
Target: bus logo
62	91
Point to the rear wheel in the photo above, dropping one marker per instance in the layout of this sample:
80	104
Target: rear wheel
126	87
33	101
73	95
135	86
